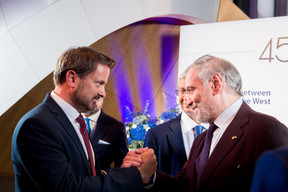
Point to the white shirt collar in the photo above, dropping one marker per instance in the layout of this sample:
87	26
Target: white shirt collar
95	116
226	117
70	111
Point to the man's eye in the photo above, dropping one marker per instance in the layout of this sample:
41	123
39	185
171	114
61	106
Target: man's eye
189	91
182	91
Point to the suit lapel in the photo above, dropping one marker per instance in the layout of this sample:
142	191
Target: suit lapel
67	126
100	129
175	137
228	140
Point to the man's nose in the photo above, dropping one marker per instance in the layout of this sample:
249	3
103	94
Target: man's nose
102	91
187	100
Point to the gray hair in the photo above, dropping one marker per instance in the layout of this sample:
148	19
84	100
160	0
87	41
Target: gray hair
182	75
209	65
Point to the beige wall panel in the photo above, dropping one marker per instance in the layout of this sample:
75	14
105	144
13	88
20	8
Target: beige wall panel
228	11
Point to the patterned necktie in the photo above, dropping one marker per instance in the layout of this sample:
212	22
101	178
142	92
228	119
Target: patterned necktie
87	120
85	136
198	129
203	157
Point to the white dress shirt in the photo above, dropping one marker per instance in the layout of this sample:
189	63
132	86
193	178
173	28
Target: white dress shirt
223	121
187	125
72	115
93	121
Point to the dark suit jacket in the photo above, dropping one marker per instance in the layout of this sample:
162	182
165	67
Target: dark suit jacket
230	166
167	142
48	156
112	131
271	172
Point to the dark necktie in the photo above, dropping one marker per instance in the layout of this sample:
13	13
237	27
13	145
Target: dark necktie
198	129
203	157
85	136
87	120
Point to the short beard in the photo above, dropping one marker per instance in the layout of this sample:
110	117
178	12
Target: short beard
80	102
206	114
92	112
207	110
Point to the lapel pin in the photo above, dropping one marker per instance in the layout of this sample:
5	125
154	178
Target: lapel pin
234	137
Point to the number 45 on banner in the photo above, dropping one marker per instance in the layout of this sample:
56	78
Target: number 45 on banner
282	42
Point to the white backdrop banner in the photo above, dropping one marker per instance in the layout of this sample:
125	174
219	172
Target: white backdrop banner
259	50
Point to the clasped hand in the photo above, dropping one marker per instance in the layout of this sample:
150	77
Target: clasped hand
144	159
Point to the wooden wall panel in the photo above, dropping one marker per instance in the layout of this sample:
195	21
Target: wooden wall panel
143	56
10	118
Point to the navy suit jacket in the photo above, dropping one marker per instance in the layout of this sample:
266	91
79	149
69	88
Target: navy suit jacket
271	172
48	156
112	131
231	164
167	142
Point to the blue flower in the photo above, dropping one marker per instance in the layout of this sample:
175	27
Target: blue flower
168	115
151	124
128	114
138	133
129	140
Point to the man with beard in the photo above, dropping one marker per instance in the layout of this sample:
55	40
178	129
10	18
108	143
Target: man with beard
172	140
108	136
51	150
223	157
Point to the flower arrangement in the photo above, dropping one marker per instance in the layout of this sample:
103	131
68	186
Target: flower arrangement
138	123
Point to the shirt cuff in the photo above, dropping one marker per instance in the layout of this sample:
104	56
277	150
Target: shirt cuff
152	183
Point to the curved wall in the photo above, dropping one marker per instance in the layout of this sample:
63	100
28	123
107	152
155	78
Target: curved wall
31	44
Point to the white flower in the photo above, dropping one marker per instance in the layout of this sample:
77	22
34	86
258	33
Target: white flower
146	127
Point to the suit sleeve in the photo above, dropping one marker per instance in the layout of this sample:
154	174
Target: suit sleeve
150	141
121	146
270	174
273	136
165	182
53	162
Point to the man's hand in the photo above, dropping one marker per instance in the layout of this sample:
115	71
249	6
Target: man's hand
133	158
148	165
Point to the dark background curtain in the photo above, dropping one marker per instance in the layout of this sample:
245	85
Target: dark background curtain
251	8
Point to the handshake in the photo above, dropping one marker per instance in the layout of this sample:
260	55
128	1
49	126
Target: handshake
145	160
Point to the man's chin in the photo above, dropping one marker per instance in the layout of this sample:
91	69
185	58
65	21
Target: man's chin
189	113
188	110
92	111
